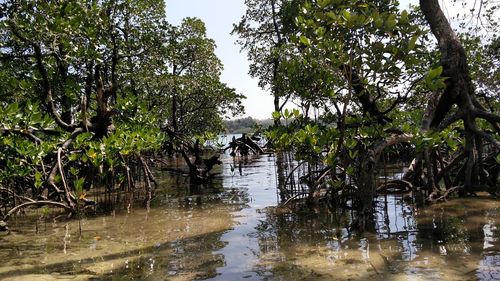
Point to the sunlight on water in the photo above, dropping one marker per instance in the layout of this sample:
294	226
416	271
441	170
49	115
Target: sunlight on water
234	231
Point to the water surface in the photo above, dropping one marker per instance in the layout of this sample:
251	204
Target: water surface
232	230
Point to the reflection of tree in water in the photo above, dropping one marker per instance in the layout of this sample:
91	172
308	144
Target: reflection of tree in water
453	234
451	229
191	258
473	232
284	235
464	230
179	191
394	219
489	266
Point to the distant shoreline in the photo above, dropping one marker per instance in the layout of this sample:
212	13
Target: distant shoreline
246	125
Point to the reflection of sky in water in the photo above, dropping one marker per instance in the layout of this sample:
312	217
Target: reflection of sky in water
418	273
489	266
423	253
489	237
453	241
394	219
364	248
335	247
242	244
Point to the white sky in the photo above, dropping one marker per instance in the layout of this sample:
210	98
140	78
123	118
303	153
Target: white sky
219	17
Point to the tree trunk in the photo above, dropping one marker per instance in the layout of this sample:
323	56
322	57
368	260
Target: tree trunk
276	91
459	91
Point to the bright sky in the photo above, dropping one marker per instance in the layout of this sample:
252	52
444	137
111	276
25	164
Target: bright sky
219	17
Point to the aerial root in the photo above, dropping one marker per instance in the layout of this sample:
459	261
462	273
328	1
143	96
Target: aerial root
35	203
395	186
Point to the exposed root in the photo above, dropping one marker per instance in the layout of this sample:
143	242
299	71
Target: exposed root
395	186
36	203
446	194
294	198
67	193
145	168
11	192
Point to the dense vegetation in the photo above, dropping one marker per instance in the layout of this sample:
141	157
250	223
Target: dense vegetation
368	77
246	125
92	91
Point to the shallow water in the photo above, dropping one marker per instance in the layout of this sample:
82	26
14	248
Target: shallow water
235	232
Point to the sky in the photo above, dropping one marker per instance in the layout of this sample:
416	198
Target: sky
219	17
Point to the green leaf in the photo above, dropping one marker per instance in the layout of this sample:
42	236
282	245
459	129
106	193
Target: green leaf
346	15
38	179
434	73
324	3
353	154
404	17
332	15
412	42
305	40
287	114
391	24
73	171
79	185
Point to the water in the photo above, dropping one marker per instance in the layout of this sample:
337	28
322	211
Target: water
233	231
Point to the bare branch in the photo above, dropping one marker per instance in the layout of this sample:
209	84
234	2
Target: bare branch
25	133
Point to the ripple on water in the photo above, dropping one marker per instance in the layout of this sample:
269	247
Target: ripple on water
235	232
